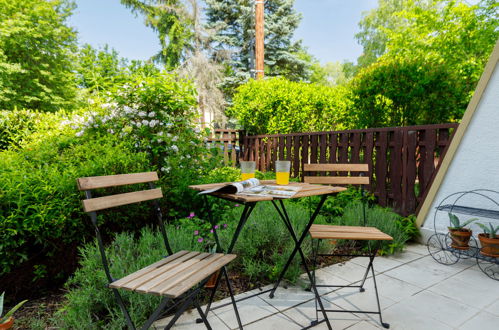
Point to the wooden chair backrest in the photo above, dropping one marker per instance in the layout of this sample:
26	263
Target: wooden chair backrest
102	203
342	179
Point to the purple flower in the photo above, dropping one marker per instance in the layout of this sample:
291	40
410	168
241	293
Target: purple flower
211	231
236	205
196	232
216	226
200	239
191	215
225	225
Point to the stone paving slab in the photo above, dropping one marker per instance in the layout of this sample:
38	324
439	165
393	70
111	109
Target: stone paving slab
416	293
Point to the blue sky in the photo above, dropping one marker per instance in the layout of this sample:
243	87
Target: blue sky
327	28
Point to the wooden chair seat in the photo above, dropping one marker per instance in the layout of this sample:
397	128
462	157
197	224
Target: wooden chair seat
175	274
348	232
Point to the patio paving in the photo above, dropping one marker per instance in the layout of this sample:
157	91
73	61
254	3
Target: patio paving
415	293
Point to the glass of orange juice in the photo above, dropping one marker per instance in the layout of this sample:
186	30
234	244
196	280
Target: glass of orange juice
247	170
282	168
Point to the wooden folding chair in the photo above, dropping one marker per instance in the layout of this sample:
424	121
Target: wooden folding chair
330	232
178	277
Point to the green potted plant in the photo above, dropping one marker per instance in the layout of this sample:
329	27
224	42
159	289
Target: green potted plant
7	320
459	234
489	240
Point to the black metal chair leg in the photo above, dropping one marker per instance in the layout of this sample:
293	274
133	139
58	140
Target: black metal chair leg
179	312
315	252
234	305
203	317
123	309
385	325
154	316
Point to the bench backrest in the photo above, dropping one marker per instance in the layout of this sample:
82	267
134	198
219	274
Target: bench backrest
341	174
92	205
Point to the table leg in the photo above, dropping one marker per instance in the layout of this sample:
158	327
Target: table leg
248	208
284	216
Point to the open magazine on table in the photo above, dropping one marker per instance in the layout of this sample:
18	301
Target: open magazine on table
252	187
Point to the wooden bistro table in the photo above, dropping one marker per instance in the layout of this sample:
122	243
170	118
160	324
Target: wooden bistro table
249	203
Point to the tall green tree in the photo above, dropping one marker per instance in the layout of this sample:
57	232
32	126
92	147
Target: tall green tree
99	69
422	60
36	55
234	25
373	25
174	29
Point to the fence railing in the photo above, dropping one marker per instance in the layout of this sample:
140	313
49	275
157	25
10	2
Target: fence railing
402	160
229	141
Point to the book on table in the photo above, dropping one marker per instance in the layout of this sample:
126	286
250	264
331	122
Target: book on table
252	187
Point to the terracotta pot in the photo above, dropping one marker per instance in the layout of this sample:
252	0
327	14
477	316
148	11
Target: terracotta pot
460	238
490	246
8	324
212	280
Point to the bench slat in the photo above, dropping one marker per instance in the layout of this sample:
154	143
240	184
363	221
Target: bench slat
354	236
336	167
164	287
102	203
119	283
152	272
185	285
337	179
95	182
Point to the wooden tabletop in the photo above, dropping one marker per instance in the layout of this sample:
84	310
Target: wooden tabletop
306	190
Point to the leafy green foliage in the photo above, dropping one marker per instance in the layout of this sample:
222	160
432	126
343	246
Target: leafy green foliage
4	318
36	55
422	60
174	29
456	223
405	92
491	231
101	71
280	106
408	226
40	208
21	127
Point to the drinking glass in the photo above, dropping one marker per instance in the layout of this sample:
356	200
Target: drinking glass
282	168
247	170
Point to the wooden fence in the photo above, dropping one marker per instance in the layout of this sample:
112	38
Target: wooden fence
402	160
229	141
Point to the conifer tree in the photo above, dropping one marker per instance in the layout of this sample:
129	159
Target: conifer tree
234	23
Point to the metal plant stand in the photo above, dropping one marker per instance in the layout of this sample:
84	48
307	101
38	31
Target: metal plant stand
439	244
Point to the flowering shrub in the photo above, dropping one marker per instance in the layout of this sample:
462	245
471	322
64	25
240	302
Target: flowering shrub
158	114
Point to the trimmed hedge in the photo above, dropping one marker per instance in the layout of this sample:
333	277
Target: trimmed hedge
281	106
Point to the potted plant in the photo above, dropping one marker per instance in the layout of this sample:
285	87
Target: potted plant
489	240
7	320
459	234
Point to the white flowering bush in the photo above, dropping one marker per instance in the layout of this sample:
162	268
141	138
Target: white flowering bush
158	114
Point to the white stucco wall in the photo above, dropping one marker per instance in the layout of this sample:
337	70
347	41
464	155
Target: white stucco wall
476	162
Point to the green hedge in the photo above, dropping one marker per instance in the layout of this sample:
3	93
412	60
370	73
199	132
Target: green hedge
281	106
40	208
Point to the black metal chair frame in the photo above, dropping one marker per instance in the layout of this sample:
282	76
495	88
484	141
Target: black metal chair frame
182	302
371	255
